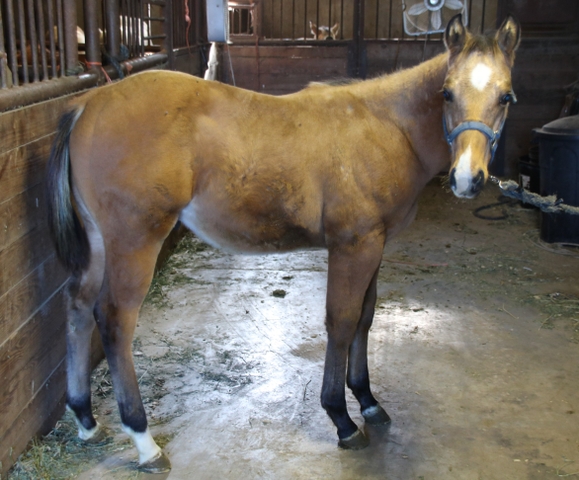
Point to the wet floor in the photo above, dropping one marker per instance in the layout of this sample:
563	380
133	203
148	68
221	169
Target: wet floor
474	353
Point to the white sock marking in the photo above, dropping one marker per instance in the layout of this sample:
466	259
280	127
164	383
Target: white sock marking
84	433
480	76
146	446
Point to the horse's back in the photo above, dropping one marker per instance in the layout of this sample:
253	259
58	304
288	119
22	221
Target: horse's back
245	171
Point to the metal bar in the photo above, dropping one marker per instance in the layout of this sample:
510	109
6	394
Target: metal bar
60	35
342	18
34	45
142	28
3	63
113	27
293	34
91	33
70	41
390	20
280	18
168	45
22	48
317	18
11	31
36	92
51	39
378	16
41	38
482	20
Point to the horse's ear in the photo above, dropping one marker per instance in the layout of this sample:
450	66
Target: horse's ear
335	29
508	37
455	35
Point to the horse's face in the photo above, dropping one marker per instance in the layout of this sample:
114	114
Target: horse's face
477	92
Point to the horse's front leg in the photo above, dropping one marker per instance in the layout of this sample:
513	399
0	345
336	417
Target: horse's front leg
358	379
350	273
127	279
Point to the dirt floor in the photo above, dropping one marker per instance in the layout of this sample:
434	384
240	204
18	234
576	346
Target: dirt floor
474	353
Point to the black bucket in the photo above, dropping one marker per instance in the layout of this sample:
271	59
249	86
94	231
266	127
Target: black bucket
559	167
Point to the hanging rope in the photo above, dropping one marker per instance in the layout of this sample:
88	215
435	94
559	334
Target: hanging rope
548	204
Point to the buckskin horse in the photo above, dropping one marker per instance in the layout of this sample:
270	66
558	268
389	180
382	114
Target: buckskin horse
338	167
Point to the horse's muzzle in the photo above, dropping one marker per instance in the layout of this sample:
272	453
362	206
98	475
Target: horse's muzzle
466	188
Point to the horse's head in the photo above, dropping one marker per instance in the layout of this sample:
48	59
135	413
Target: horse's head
323	32
477	93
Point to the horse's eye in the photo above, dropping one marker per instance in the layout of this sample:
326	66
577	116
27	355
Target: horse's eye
447	95
508	98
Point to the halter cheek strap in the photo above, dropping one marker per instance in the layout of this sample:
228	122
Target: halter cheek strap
493	136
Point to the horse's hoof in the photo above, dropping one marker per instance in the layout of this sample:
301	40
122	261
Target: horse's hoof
102	435
376	415
356	441
159	464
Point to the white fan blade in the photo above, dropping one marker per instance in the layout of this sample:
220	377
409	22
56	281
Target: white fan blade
453	4
436	19
417	9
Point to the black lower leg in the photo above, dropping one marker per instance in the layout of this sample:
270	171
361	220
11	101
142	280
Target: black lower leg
82	409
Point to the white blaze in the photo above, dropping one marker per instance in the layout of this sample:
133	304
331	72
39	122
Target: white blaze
480	76
462	174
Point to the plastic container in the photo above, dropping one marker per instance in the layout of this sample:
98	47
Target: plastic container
559	175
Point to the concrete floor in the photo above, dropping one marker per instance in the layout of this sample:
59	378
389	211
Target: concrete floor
474	353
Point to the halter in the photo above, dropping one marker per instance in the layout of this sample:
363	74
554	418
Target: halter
493	136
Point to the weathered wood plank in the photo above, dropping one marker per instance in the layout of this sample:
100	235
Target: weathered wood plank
29	357
21	214
21	258
23	300
23	167
19	127
38	417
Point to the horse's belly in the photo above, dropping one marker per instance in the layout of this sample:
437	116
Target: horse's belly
239	232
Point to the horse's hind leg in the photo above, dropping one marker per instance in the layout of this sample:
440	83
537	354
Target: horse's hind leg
128	275
358	378
81	294
350	272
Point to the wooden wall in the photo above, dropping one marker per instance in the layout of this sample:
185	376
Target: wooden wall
32	316
543	68
32	321
283	69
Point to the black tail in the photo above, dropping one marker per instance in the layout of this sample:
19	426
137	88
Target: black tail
68	234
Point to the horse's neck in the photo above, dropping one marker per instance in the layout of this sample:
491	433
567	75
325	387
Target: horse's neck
412	99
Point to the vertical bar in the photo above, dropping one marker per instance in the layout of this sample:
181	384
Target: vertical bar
377	17
41	38
51	39
330	15
22	26
390	20
306	35
112	27
60	35
317	18
3	63
34	44
293	19
342	19
280	18
12	42
70	41
482	20
168	42
91	32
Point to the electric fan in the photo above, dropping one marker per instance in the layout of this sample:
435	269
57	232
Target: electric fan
422	17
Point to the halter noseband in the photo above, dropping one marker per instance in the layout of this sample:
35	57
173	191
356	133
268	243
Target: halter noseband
493	136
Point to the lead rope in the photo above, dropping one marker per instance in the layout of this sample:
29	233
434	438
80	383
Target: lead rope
547	204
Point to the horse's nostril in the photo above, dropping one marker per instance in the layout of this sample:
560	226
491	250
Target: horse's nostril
478	181
452	178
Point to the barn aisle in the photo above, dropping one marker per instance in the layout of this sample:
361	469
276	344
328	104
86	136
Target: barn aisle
474	353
